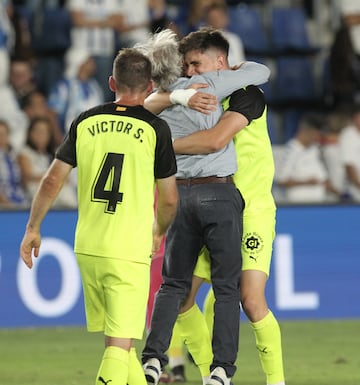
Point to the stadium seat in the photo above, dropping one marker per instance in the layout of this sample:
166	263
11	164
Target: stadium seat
247	22
289	31
294	81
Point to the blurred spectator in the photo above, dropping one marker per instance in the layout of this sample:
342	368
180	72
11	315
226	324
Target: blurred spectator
344	69
216	15
11	112
350	153
77	91
38	152
19	18
35	158
148	16
137	22
22	79
50	28
12	194
94	26
303	174
35	106
332	153
196	13
350	11
158	15
6	39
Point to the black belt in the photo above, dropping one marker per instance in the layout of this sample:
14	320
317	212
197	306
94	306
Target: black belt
205	179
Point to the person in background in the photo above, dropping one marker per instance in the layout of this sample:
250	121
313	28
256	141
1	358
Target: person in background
159	15
331	153
50	28
35	106
22	79
12	194
350	11
344	69
350	154
19	18
77	91
6	38
121	151
11	112
196	12
94	26
35	159
137	22
216	15
303	174
37	154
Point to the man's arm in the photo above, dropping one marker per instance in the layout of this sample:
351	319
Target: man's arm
157	102
200	101
244	106
49	188
213	139
167	202
222	84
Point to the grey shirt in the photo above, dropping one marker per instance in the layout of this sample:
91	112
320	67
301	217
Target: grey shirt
185	121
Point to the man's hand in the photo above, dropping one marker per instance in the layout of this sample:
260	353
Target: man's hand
201	101
31	242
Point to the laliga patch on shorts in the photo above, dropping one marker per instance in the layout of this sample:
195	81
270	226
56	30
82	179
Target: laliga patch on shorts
252	244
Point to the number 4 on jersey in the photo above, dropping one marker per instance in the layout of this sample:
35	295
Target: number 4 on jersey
106	185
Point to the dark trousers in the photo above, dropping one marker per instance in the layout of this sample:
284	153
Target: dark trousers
210	215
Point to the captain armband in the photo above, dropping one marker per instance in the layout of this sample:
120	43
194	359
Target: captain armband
182	96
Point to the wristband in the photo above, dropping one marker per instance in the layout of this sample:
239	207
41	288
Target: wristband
181	96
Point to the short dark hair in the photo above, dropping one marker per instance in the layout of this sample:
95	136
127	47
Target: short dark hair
132	70
204	39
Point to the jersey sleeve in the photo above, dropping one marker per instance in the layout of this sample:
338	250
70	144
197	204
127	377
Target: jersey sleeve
249	101
67	150
165	161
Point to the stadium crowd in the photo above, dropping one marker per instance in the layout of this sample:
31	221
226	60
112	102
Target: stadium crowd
56	56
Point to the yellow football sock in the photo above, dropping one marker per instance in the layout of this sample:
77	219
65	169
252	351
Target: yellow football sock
195	334
208	310
175	351
268	343
113	367
136	374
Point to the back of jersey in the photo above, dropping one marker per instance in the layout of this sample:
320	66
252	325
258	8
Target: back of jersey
115	151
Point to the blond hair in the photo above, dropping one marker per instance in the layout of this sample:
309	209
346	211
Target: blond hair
162	49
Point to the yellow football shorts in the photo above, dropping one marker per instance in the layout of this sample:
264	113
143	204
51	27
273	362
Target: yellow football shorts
115	295
256	245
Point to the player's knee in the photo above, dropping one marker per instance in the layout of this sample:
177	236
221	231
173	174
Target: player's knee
254	308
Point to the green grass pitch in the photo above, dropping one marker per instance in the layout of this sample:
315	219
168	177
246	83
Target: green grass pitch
315	353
